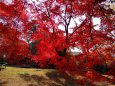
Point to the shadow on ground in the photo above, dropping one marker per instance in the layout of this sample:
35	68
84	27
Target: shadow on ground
2	83
34	80
50	79
56	77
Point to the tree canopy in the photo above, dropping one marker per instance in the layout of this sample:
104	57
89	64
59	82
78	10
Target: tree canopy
45	31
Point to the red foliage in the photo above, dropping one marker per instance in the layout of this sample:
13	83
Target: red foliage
30	30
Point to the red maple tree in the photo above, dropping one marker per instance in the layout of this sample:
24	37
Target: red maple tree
30	29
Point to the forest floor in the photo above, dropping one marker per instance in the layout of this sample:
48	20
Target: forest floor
13	76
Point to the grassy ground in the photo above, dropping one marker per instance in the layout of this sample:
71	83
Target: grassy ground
12	76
